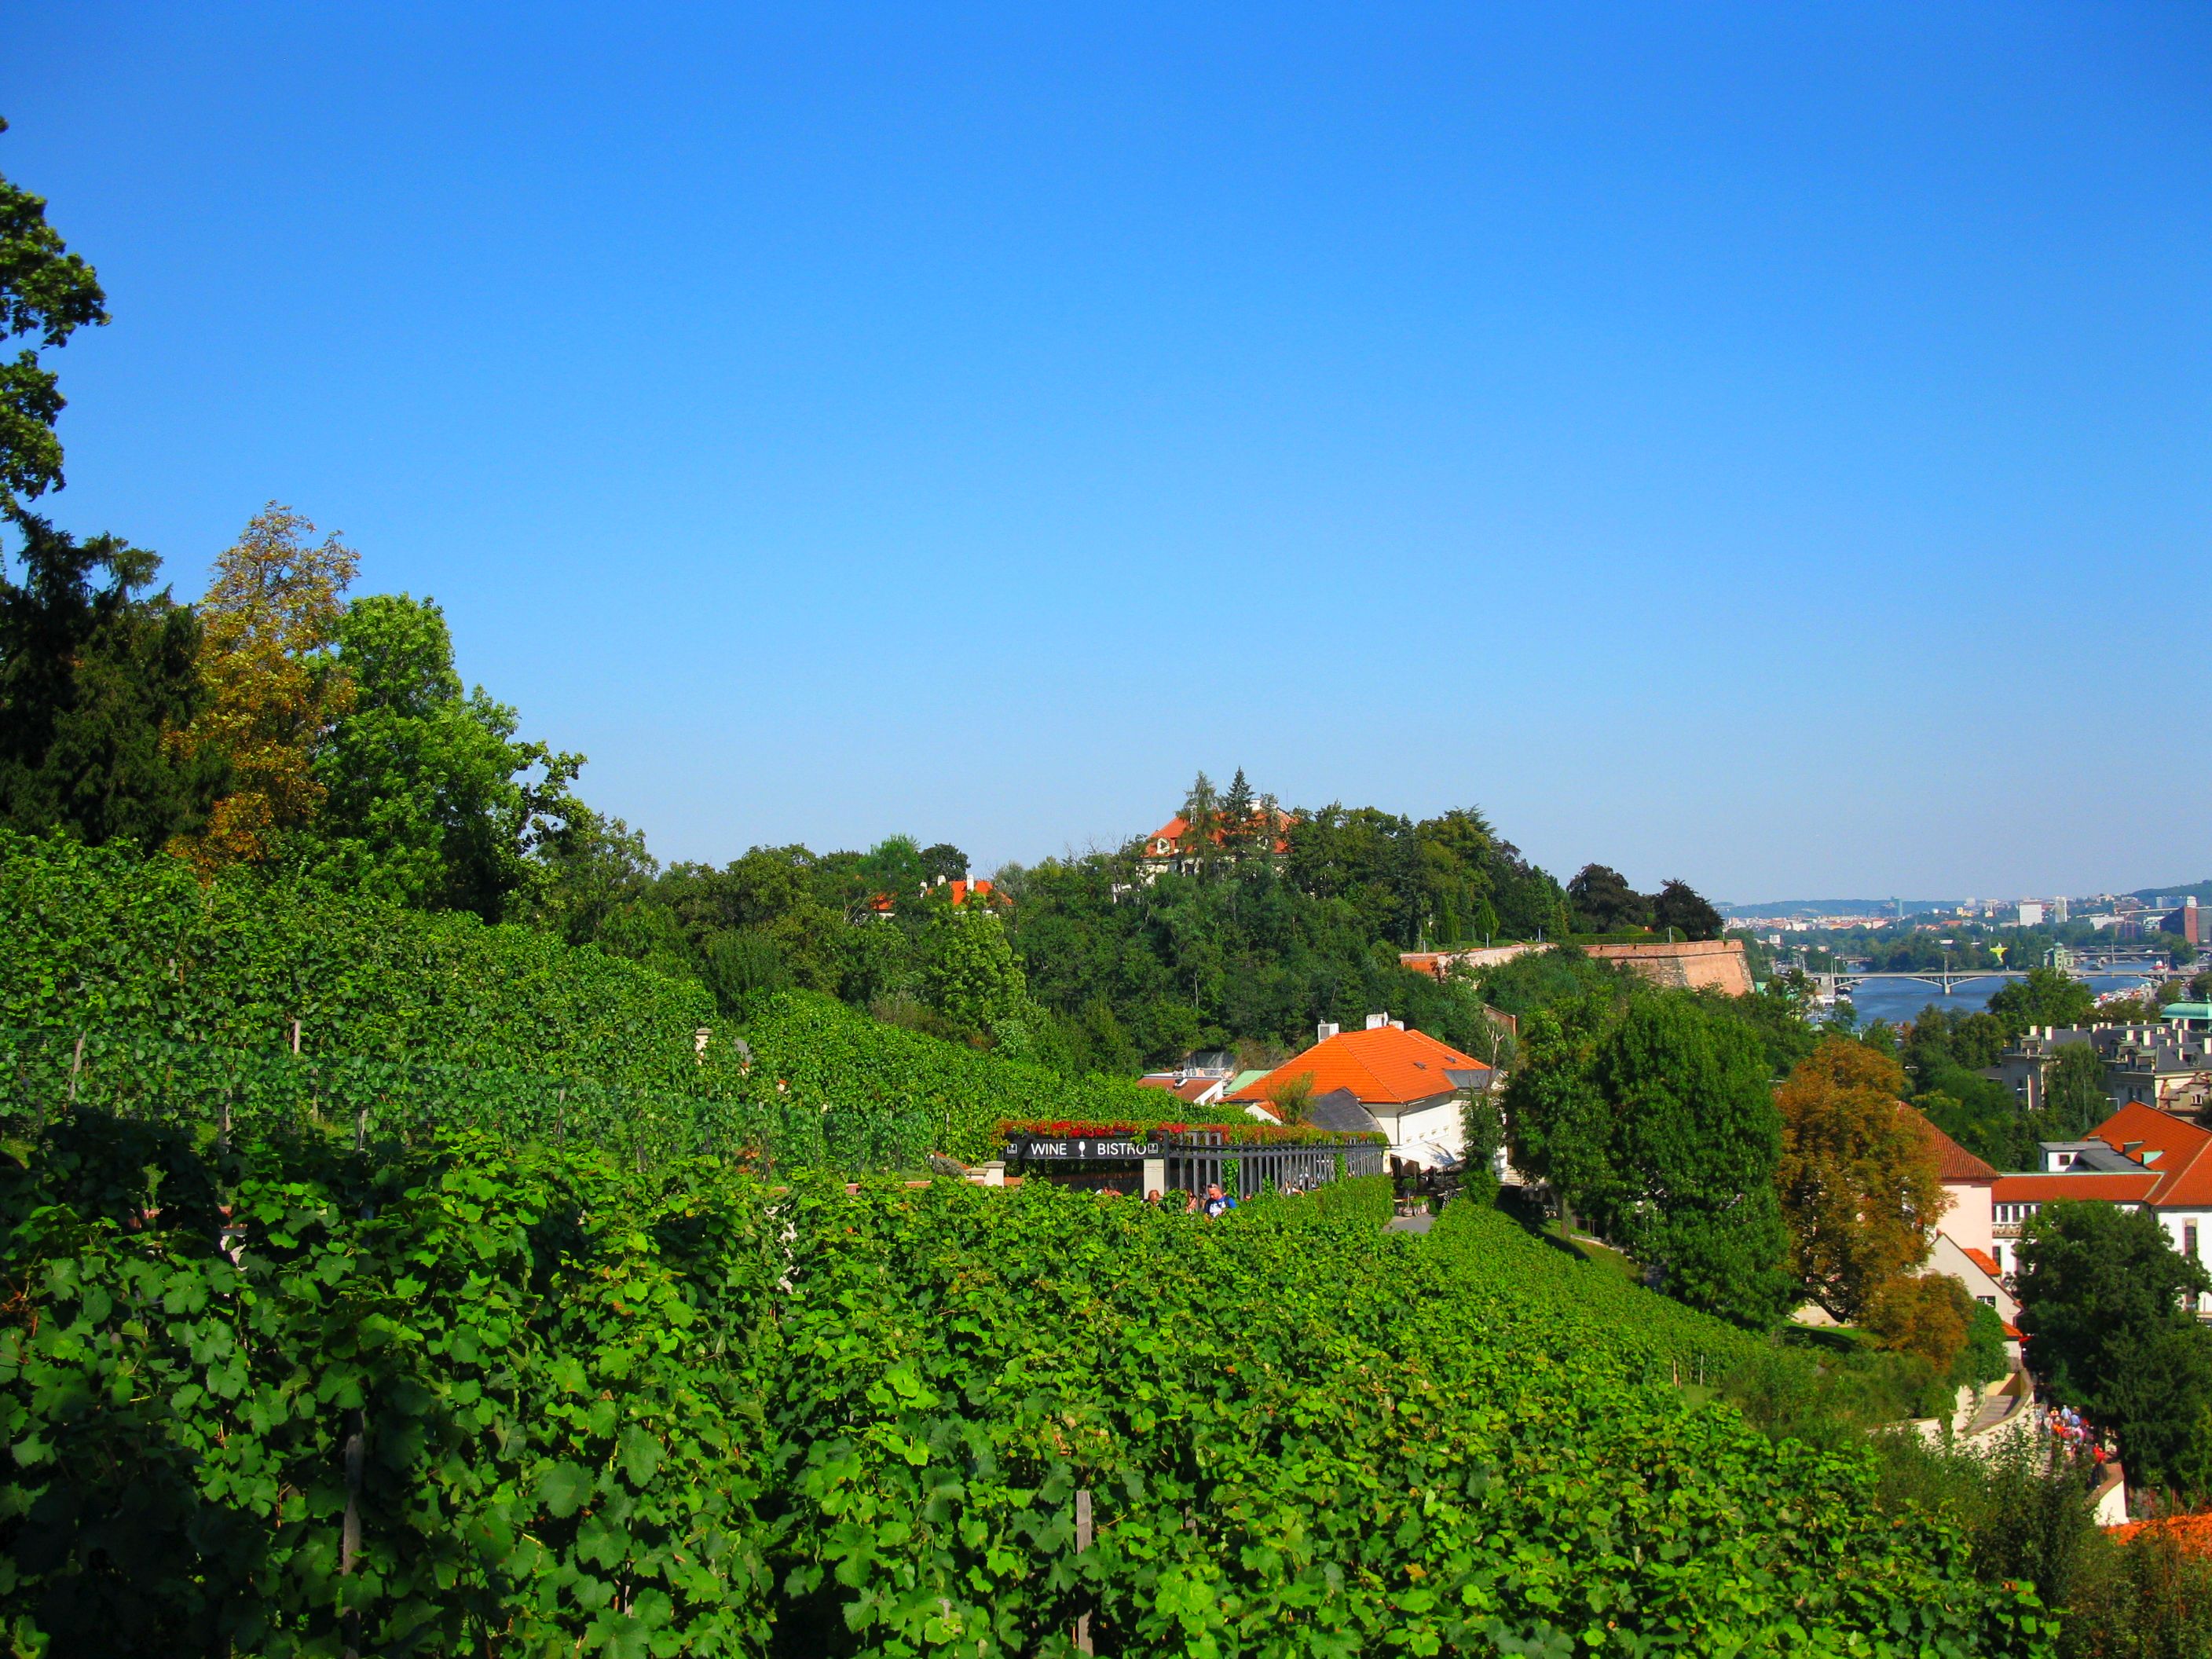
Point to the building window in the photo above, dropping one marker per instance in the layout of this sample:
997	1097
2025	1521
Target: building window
2189	1240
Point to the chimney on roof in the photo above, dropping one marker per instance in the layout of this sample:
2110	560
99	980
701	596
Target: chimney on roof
1397	1024
1325	1030
1376	1021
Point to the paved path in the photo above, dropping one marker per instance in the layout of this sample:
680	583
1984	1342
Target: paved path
1992	1411
1410	1224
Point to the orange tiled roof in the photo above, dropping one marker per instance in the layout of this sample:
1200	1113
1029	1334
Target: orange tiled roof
1164	841
960	891
1953	1161
1383	1067
2115	1186
2183	1166
1982	1260
1186	1089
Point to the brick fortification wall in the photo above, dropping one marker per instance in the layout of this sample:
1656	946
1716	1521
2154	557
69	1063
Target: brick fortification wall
1716	964
1707	964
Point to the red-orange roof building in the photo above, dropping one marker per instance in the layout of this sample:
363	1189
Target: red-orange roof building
958	893
1413	1085
1965	1244
2139	1156
1168	847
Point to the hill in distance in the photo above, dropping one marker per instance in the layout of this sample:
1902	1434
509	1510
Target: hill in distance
1833	907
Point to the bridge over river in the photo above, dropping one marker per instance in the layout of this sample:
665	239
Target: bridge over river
2087	965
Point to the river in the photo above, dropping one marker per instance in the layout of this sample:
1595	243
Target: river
1898	999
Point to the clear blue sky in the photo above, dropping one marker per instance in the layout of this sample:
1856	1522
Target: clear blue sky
1762	445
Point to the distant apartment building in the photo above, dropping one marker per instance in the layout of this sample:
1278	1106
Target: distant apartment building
2031	913
2167	1066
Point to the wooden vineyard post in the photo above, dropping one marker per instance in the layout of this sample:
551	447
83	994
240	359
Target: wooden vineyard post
350	1528
1083	1543
295	1039
76	1066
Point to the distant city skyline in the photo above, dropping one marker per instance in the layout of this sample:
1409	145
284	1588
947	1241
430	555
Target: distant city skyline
1755	446
2177	892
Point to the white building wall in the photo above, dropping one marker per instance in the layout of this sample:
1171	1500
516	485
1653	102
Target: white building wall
1418	1133
1948	1257
2188	1228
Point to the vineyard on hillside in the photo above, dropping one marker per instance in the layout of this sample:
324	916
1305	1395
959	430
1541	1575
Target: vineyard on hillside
1652	1338
104	942
126	987
462	1398
832	1055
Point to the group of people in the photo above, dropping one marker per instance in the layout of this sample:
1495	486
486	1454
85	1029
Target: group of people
1213	1204
2072	1431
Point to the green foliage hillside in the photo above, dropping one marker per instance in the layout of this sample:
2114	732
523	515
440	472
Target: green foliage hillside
1649	1338
456	1400
99	940
185	997
836	1058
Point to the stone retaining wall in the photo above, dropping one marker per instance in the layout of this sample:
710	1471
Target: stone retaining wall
1716	964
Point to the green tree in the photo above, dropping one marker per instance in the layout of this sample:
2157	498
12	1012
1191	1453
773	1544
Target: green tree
943	862
1459	848
1696	1143
1526	984
2046	997
1482	1127
894	868
1604	902
2109	1307
2074	1098
431	800
1559	1126
971	977
1291	1096
741	965
1201	815
46	293
590	869
1681	907
97	678
1239	817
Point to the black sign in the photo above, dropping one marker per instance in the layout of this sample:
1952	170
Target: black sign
1076	1148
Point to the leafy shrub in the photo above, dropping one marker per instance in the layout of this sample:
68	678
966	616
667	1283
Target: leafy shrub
452	1400
821	1054
184	999
104	943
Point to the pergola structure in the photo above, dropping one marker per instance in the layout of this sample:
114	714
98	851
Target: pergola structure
1244	1162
